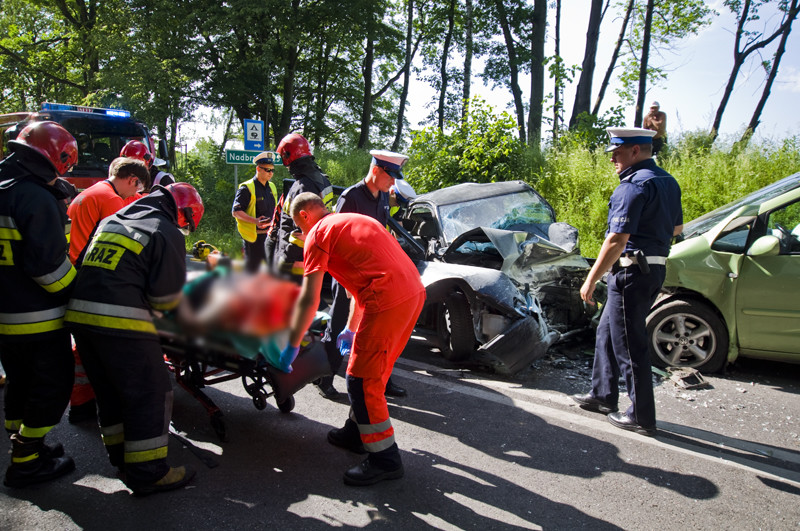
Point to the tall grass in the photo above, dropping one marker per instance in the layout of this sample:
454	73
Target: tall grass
578	182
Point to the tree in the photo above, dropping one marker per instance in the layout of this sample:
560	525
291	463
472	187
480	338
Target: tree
642	92
583	92
535	112
614	56
773	72
748	41
512	65
670	21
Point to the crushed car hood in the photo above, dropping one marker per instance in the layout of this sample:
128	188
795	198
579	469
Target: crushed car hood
540	254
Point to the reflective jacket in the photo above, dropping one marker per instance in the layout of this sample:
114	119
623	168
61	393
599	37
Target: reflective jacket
249	231
308	178
135	263
36	276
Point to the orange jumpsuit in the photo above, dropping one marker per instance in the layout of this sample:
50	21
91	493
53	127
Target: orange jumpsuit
369	263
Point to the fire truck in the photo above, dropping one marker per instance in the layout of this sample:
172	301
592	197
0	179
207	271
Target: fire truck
100	133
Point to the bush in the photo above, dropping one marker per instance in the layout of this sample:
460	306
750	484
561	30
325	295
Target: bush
485	148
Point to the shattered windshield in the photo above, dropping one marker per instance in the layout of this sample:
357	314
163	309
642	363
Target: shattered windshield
510	212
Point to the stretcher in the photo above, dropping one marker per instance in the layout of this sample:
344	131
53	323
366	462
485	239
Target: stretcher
198	361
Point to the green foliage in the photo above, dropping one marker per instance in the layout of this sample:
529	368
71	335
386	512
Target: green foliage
590	130
485	148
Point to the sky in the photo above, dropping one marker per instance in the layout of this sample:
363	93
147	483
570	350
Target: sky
697	71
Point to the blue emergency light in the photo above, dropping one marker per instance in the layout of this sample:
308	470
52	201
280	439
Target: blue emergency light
119	113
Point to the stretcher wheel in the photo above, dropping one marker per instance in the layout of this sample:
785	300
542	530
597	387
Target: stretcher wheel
287	405
260	400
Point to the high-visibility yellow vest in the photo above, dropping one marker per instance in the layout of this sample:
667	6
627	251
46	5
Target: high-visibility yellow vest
248	230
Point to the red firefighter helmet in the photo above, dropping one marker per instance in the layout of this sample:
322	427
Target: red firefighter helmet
190	205
137	150
292	147
51	141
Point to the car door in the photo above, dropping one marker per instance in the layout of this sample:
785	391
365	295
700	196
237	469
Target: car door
768	292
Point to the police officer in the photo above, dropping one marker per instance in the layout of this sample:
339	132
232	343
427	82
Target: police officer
369	197
36	278
387	299
254	208
134	264
296	156
643	216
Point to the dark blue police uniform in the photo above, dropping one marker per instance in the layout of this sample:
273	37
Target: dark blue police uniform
647	206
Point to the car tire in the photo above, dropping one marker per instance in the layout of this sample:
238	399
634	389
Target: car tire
454	328
687	333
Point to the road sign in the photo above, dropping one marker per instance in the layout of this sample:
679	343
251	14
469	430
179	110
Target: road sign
234	156
254	135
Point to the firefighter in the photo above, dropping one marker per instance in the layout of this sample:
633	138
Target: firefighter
387	299
135	264
254	208
370	197
36	278
296	155
126	177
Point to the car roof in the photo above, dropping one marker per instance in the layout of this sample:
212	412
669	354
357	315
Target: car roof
460	193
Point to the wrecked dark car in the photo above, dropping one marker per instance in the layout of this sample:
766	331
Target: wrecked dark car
502	276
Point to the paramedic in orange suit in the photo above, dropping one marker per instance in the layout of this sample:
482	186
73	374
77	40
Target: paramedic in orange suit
387	298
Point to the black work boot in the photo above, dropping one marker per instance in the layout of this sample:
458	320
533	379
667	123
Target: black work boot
326	388
83	412
368	473
30	464
175	478
57	450
347	437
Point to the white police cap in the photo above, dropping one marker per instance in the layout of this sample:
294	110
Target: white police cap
390	161
628	136
403	191
265	157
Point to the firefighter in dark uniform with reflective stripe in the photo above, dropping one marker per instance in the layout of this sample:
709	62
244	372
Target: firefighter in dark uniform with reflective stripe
644	214
134	264
254	208
36	278
369	197
296	155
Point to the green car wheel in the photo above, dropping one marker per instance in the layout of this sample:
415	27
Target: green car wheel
687	333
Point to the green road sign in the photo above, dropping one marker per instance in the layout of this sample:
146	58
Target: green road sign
235	156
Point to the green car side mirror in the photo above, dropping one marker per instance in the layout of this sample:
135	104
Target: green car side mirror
765	246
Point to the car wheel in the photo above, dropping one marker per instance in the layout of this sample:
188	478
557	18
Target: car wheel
687	333
456	338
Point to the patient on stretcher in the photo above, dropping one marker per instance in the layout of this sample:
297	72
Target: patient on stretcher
255	305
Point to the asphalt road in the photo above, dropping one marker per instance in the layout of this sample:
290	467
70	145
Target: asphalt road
480	452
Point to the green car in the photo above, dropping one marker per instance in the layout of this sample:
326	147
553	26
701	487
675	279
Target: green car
733	285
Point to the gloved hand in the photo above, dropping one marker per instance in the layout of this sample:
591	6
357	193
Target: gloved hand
287	357
344	342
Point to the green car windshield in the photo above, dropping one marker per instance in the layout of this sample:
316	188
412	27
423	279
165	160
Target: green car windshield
707	221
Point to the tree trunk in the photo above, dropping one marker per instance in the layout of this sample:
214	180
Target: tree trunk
366	109
756	119
538	27
583	93
406	79
467	60
614	56
648	20
513	68
558	89
443	66
740	56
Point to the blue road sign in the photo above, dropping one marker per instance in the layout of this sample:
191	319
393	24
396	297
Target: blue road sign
254	135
